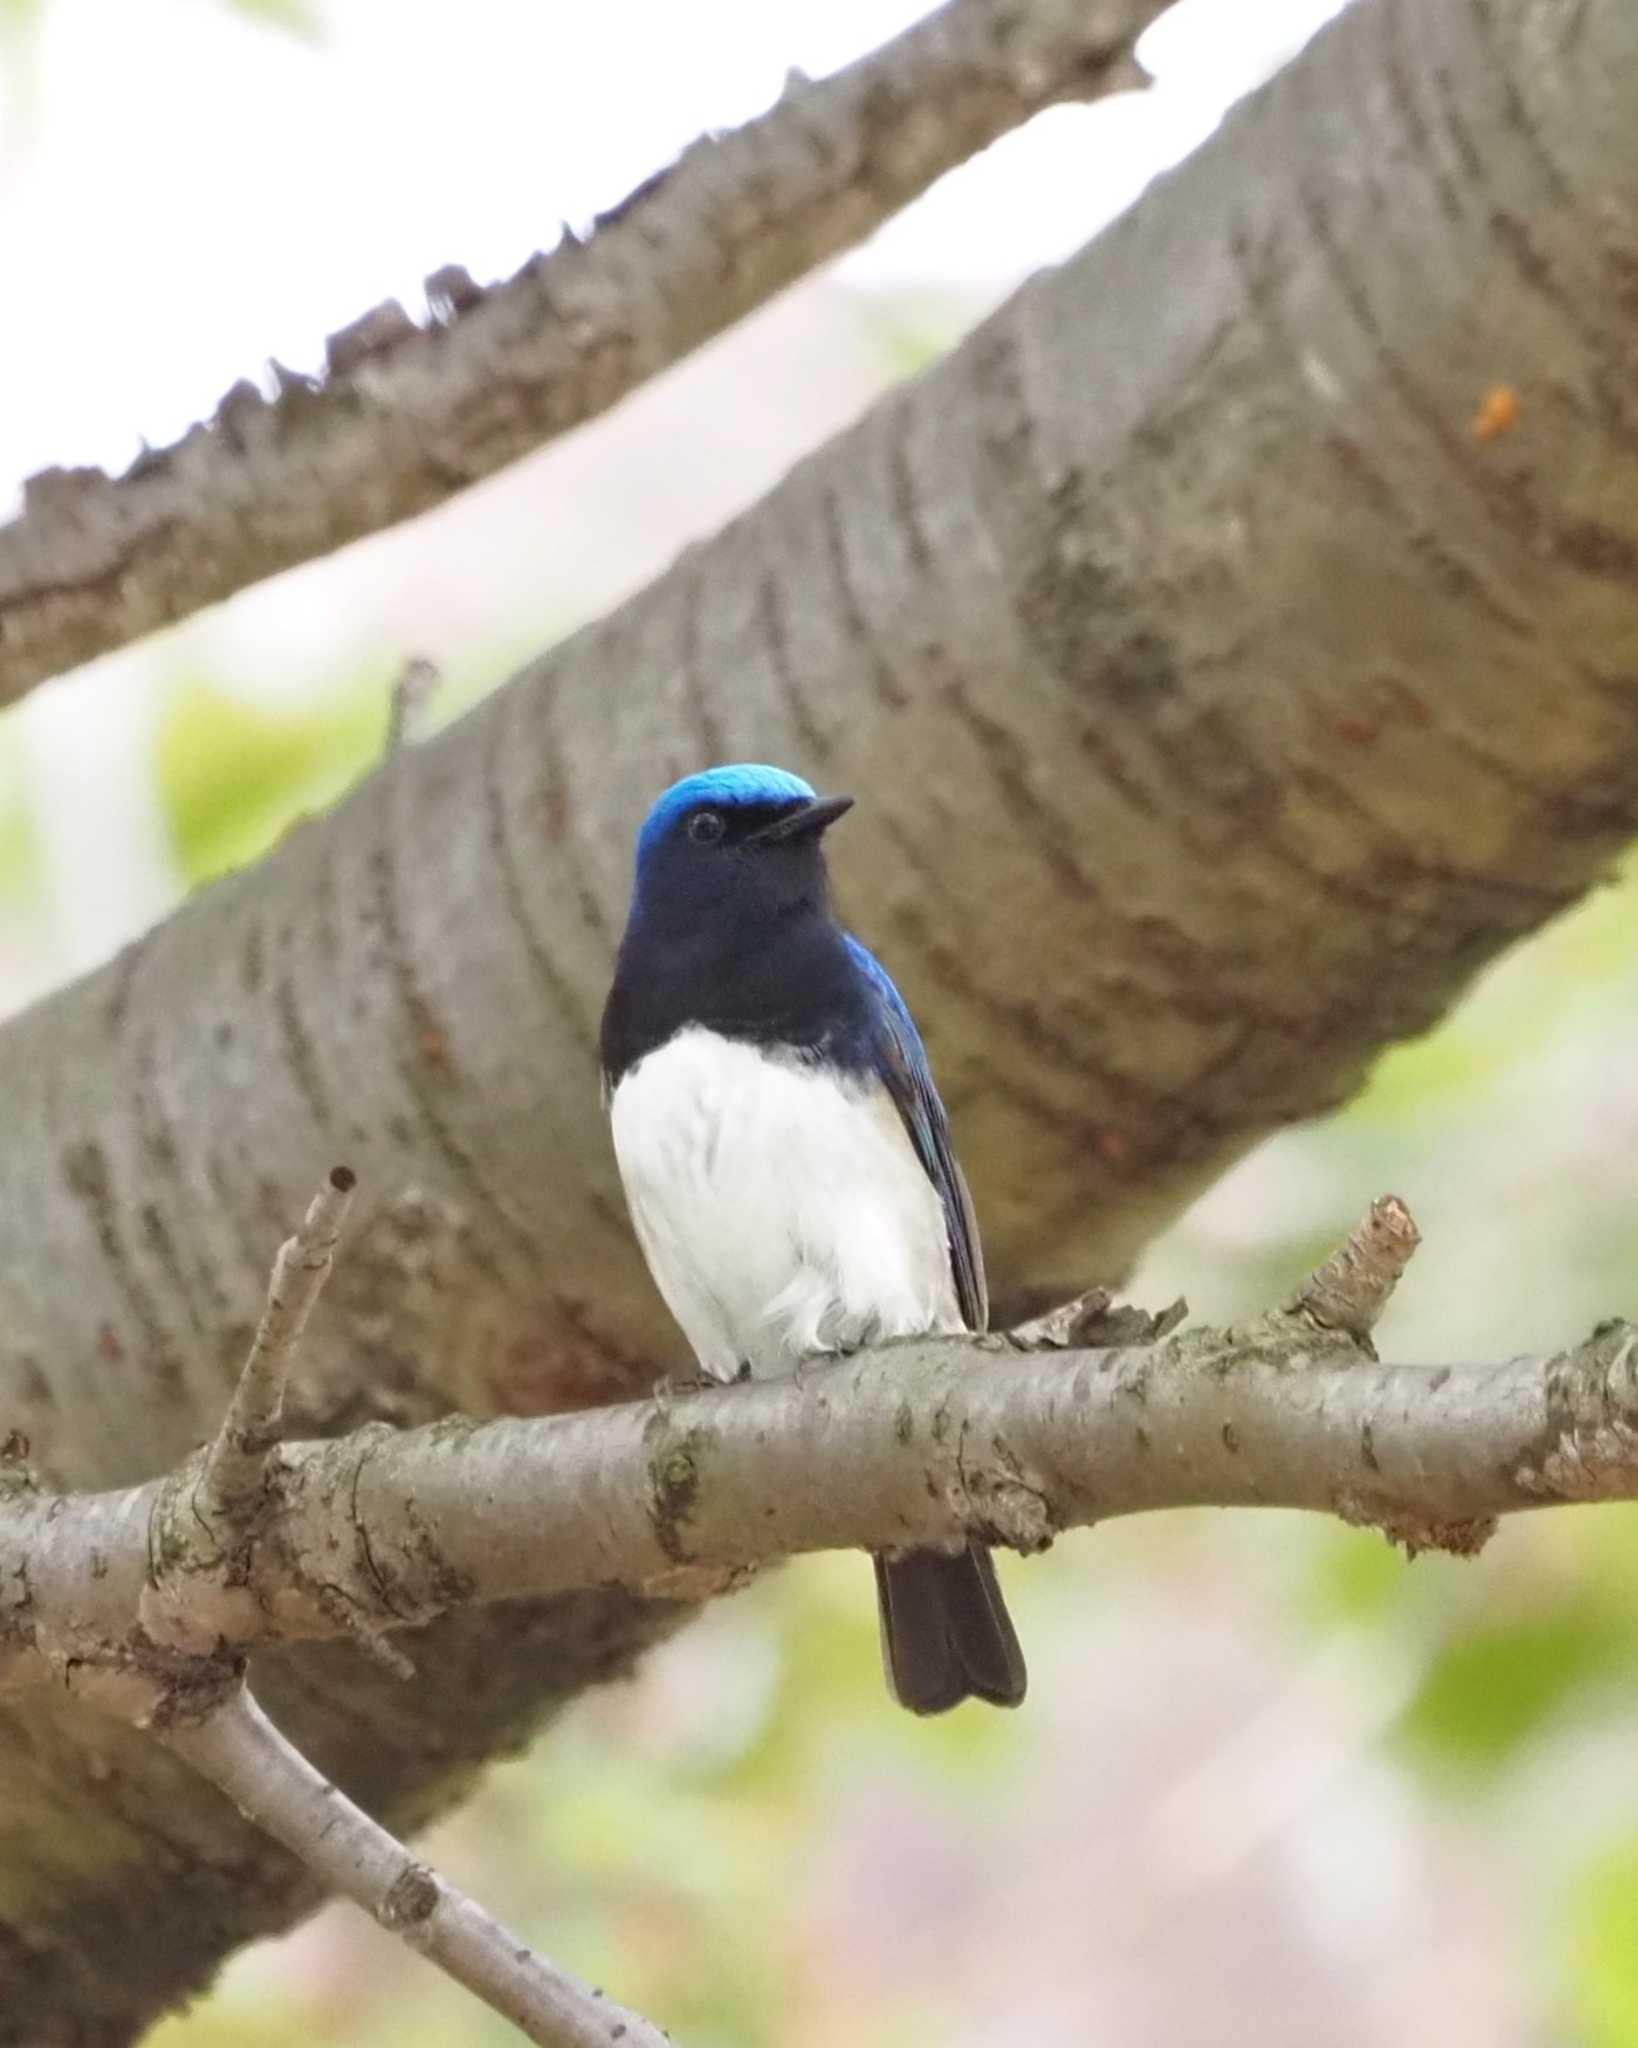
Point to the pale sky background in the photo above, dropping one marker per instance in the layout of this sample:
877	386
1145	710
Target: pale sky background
186	192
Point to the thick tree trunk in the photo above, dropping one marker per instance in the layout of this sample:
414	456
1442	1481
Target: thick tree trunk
1222	691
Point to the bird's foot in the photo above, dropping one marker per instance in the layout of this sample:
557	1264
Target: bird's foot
826	1356
667	1389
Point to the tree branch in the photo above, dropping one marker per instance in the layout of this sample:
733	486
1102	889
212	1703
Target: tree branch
410	703
202	1710
237	1463
1353	1286
926	1442
407	415
237	1747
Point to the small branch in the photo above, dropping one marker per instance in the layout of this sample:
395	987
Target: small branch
239	1750
192	1696
1350	1291
236	1464
409	414
233	1493
410	701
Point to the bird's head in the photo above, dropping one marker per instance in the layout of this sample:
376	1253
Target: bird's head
731	843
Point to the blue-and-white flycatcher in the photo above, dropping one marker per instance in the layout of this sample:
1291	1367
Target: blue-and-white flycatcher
785	1155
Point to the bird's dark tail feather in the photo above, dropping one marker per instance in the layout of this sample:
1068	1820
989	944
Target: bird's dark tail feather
946	1634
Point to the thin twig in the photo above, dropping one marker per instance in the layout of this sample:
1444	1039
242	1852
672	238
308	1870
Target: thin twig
236	1464
1351	1289
411	699
239	1750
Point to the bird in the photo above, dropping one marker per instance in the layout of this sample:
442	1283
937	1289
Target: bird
786	1160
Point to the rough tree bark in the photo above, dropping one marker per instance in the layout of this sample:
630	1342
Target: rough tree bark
1223	690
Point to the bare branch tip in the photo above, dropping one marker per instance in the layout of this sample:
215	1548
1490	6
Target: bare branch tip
1060	1327
274	1785
329	1206
1353	1286
418	682
242	1451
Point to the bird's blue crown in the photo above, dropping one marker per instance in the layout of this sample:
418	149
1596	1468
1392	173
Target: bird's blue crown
742	783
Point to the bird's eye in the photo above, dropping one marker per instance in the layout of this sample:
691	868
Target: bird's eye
705	828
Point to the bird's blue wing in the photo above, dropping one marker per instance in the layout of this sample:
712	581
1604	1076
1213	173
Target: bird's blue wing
900	1059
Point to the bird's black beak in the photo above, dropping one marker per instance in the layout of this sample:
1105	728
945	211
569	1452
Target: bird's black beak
809	820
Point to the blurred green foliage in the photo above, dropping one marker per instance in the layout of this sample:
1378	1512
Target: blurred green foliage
300	17
22	20
233	777
18	850
1602	1947
1530	1001
1492	1688
297	17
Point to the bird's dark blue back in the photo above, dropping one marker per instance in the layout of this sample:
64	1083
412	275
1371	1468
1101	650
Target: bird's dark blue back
893	1051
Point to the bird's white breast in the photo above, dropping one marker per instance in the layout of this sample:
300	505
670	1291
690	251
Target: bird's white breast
782	1207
